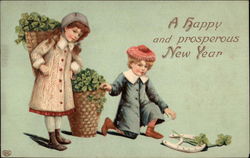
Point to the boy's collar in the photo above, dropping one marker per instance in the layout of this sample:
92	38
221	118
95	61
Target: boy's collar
63	43
131	77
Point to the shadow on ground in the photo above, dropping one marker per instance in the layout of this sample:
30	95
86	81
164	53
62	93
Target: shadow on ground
118	134
67	132
70	133
143	134
39	140
100	133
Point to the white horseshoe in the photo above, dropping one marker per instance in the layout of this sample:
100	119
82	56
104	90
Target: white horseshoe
178	146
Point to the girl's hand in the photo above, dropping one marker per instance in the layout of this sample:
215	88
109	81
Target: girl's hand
170	112
72	77
106	86
44	69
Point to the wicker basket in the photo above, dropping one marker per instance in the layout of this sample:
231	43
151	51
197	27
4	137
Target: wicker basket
84	121
33	39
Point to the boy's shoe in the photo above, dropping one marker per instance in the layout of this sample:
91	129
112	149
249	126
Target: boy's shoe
151	133
108	124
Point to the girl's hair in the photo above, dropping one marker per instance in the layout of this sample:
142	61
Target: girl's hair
55	35
133	60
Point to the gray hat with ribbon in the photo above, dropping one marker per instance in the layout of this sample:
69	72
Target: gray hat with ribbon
72	17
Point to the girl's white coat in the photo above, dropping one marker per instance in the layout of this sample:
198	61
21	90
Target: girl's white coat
53	93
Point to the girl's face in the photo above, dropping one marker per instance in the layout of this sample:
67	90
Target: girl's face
73	34
139	68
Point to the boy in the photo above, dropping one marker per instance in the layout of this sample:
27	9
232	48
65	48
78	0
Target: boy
140	105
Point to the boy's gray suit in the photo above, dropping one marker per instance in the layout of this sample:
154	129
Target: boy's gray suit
139	103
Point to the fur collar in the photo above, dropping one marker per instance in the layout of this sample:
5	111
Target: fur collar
63	43
131	77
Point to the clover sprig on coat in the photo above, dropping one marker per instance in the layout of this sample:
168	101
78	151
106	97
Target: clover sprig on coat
34	22
87	80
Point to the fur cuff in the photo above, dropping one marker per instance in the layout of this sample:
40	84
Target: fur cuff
38	63
75	67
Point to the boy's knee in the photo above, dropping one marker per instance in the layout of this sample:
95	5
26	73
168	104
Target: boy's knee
134	136
130	134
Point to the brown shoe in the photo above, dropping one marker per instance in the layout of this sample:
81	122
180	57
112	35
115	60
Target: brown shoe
151	133
53	142
108	124
60	139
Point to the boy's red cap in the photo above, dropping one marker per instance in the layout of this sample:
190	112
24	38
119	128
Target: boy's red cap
141	52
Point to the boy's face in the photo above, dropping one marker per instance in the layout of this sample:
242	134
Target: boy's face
73	34
139	68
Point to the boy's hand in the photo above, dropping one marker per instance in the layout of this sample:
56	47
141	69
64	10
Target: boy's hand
106	86
170	112
44	69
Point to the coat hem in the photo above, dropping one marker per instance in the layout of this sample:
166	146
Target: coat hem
50	113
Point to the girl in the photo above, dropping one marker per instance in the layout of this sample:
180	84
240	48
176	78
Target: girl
140	104
55	59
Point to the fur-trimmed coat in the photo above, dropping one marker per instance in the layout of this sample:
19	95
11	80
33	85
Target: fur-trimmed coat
52	94
139	104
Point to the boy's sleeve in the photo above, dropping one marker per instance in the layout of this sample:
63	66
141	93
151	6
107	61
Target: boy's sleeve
38	53
76	64
117	85
154	96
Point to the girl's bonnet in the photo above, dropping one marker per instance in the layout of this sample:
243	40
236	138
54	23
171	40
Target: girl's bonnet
72	17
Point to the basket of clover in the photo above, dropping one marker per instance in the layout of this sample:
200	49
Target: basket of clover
33	28
89	100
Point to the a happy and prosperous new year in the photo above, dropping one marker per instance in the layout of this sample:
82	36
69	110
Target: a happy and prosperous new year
203	43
